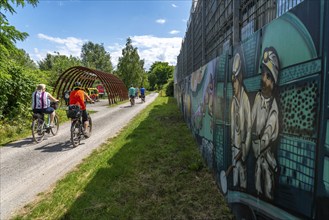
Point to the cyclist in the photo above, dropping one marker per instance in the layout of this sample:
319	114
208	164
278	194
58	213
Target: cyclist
77	97
66	96
41	102
136	92
131	92
142	91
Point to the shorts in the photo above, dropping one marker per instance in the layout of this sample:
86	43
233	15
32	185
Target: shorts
84	115
48	110
131	96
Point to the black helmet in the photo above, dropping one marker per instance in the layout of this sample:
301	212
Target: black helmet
77	85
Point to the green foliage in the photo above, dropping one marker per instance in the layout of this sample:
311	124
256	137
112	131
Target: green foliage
23	59
9	34
152	81
94	56
130	68
8	37
16	86
159	74
170	88
54	65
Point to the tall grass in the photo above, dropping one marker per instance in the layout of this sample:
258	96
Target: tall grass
151	170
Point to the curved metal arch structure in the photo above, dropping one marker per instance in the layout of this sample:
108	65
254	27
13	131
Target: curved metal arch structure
114	87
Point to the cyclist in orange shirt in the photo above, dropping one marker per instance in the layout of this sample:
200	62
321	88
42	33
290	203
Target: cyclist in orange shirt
77	97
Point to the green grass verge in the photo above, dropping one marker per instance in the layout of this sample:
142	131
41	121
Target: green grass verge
151	170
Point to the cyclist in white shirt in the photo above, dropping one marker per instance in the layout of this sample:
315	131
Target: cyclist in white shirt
41	102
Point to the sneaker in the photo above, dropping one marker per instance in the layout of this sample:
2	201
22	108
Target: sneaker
51	125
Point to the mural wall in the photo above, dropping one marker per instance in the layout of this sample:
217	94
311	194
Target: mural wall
261	117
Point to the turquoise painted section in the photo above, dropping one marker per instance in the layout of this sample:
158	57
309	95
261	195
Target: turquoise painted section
327	137
326	174
286	33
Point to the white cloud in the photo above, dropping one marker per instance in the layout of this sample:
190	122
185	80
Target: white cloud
175	6
65	46
115	52
161	21
174	32
151	49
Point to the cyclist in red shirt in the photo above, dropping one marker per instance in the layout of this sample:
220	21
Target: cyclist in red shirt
78	97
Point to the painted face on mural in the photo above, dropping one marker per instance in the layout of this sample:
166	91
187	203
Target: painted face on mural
236	85
236	75
267	83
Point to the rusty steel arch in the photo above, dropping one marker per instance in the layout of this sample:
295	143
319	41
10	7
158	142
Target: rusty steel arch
114	87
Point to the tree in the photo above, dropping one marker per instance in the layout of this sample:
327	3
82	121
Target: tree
8	34
94	56
17	77
152	80
159	74
23	59
130	68
57	64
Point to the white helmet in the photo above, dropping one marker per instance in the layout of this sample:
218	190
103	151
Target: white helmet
236	65
270	59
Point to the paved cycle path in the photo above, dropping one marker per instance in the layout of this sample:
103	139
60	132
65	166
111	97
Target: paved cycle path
27	168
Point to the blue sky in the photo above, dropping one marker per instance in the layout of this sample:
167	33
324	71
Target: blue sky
155	27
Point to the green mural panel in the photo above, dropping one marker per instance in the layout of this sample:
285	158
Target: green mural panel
297	162
291	39
221	65
327	137
251	48
299	71
219	146
326	174
229	90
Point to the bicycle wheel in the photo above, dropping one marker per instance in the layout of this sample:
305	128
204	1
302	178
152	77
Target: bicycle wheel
90	126
37	130
54	130
75	133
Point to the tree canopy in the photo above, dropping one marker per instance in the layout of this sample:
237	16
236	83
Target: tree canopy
159	74
56	65
94	56
9	35
130	67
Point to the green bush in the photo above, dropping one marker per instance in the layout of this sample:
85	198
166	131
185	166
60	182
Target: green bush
16	86
170	88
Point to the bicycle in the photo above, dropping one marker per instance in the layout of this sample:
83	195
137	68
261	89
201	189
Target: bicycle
142	98
77	126
132	101
40	126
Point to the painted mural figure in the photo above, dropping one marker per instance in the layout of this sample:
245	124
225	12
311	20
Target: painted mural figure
208	99
209	95
240	125
265	120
